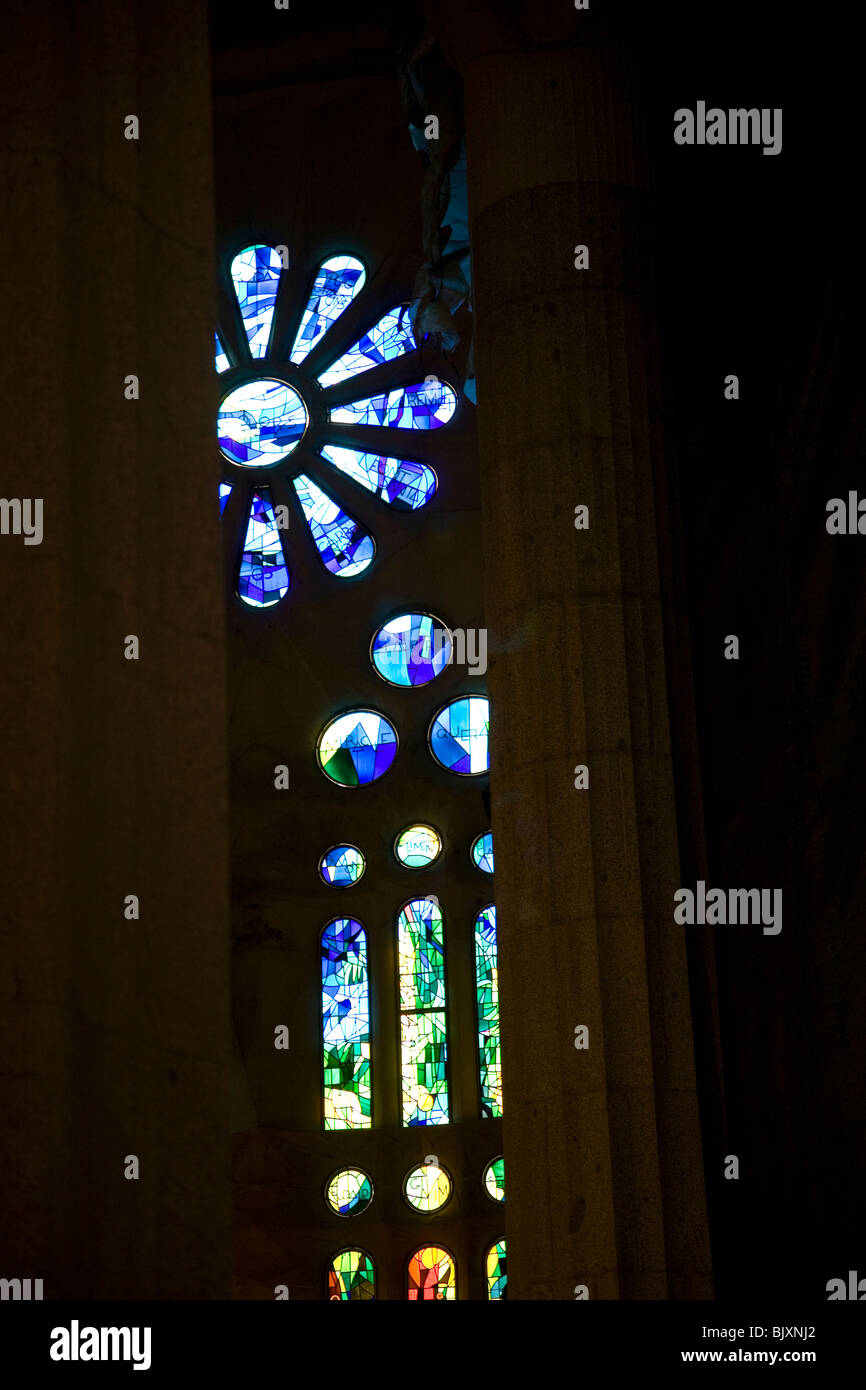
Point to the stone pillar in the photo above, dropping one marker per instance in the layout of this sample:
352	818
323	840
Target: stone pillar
603	1152
114	1032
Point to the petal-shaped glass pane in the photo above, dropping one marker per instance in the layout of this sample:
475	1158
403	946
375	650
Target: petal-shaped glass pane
346	1026
424	406
482	852
345	548
341	866
497	1278
411	649
260	423
351	1276
225	494
337	282
494	1179
459	733
403	485
418	846
263	578
349	1191
357	748
391	337
487	1011
427	1187
222	362
432	1275
256	277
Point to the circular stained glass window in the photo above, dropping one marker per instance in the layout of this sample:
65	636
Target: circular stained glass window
482	852
357	748
494	1179
427	1187
260	423
458	735
417	846
342	866
411	650
349	1191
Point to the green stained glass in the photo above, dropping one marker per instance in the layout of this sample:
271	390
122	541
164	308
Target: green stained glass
425	1083
351	1275
421	950
346	1026
494	1179
497	1279
423	1027
487	1007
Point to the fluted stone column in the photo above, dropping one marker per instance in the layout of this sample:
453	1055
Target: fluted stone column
114	1036
602	1146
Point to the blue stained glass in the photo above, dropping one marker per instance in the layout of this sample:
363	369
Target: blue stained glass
345	548
260	423
337	282
222	362
346	1025
341	866
225	494
256	276
357	748
391	337
263	578
412	649
482	852
424	406
404	486
458	735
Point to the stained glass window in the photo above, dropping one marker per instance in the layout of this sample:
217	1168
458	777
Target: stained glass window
222	362
341	866
432	1274
389	338
260	423
225	494
351	1275
458	735
349	1191
423	1028
494	1179
256	276
482	852
263	578
497	1279
337	282
344	547
424	406
263	419
427	1187
487	1003
357	748
418	846
404	486
412	649
346	1025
